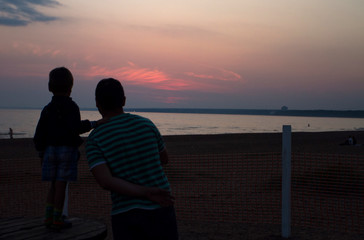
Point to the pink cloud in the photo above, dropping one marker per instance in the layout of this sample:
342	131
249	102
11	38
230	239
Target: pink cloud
34	49
216	74
209	80
191	74
135	75
22	59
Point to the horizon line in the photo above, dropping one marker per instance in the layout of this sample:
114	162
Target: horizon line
235	111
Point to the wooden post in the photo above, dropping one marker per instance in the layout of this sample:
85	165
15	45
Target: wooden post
286	181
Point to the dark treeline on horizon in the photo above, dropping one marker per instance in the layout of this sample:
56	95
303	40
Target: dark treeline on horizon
267	112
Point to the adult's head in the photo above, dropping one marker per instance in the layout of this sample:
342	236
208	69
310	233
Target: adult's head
60	81
109	95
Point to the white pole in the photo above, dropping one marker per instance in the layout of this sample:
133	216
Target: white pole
286	181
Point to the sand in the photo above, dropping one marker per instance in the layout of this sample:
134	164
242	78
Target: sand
325	142
322	142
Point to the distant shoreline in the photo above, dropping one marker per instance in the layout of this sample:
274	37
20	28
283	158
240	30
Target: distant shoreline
264	112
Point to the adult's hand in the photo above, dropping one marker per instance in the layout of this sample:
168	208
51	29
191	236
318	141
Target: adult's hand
161	196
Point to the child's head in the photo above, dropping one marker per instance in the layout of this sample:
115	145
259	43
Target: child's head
60	81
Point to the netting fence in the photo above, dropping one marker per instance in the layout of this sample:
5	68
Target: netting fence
327	189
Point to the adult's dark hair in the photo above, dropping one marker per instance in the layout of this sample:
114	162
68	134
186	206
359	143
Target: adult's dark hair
60	80
110	94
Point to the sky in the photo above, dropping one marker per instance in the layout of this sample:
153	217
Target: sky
232	54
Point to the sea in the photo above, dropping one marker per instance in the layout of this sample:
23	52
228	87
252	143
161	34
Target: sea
198	121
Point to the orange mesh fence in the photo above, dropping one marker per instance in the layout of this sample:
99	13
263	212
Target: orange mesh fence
235	188
327	190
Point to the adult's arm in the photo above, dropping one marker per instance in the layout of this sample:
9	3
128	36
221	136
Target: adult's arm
104	178
163	156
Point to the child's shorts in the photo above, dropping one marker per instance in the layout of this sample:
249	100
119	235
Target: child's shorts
60	163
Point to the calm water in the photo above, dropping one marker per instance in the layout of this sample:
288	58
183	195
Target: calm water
23	123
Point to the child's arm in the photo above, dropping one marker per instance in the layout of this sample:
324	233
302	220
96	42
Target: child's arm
40	133
87	125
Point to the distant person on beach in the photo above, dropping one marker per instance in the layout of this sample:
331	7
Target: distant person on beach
351	140
354	141
129	149
57	140
11	133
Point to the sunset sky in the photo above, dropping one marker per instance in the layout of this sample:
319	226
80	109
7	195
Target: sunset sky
249	54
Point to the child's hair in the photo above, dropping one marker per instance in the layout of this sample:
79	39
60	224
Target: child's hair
110	94
60	80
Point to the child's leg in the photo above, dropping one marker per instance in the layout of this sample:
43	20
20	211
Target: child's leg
59	194
50	197
48	174
48	221
65	204
66	171
60	190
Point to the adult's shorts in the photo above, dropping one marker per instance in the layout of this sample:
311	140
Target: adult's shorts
157	224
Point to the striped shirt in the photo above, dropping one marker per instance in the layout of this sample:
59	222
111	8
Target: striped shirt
130	146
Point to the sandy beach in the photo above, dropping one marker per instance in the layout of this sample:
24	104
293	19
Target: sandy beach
322	142
14	150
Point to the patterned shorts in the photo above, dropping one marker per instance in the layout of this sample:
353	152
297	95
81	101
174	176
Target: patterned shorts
60	163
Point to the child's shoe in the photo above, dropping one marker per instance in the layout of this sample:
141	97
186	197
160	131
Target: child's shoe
48	221
61	224
59	221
